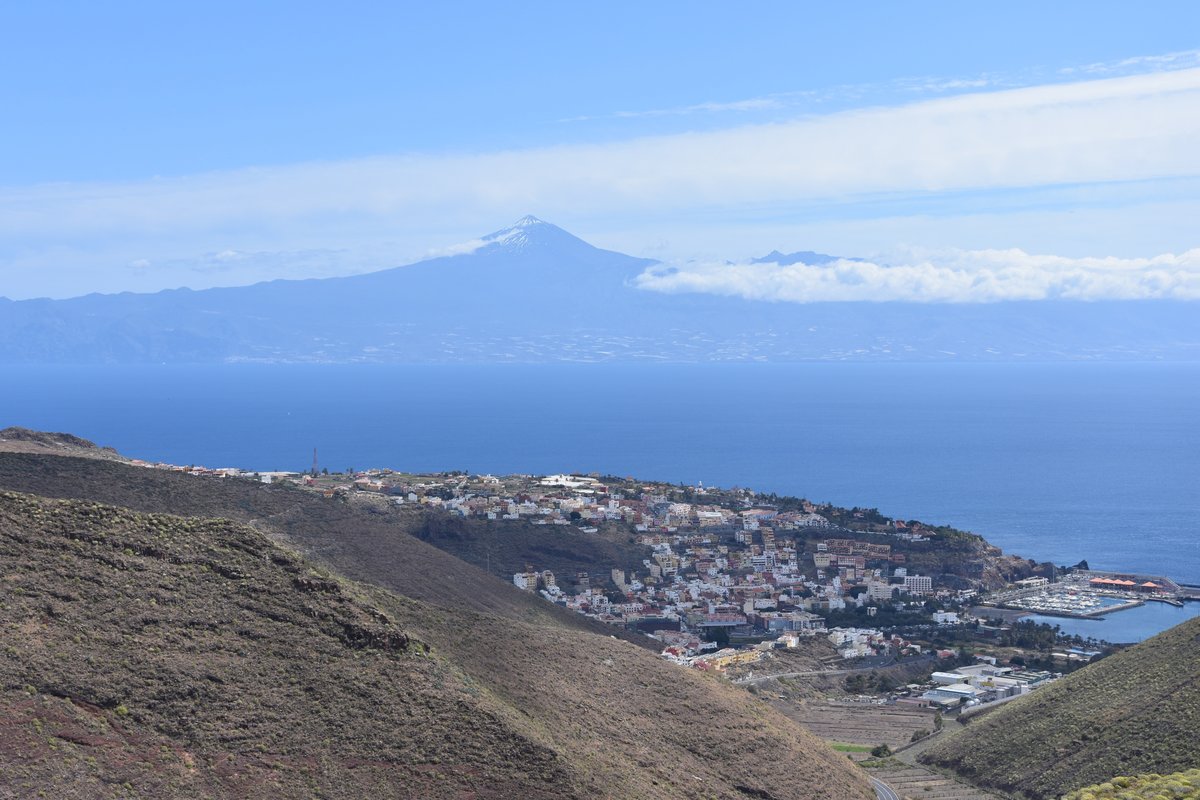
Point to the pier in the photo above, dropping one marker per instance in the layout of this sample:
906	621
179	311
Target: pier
1097	613
1083	593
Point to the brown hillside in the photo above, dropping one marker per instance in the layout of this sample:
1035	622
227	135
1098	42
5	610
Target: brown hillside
597	714
363	542
1133	712
506	546
23	440
156	656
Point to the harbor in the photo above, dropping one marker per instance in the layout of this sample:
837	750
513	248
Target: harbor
1089	594
1080	600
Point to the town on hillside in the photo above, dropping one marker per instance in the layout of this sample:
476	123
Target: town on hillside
733	577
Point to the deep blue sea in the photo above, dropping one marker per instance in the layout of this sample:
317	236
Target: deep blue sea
1056	462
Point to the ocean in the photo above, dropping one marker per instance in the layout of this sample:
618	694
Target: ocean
1057	462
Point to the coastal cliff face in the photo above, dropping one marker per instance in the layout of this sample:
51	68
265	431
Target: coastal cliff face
23	440
224	650
999	570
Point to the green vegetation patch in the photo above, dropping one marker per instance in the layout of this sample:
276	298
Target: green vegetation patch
1176	786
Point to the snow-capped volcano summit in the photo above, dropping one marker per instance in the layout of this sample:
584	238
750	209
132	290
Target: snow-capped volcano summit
533	292
529	232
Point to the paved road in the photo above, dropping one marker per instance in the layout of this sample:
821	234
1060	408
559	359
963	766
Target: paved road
883	791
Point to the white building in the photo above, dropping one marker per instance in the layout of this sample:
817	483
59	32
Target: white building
918	584
526	580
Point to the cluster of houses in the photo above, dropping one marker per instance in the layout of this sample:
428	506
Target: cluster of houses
757	585
750	572
690	649
722	566
717	574
586	503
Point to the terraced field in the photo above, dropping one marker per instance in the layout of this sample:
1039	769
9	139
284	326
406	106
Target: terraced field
918	783
860	724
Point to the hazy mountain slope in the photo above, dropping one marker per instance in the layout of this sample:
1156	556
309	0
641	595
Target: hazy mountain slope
597	713
800	257
1134	712
531	279
158	656
535	293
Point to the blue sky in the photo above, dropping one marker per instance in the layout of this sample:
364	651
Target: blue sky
151	145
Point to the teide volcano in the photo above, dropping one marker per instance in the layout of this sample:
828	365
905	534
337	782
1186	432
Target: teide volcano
533	292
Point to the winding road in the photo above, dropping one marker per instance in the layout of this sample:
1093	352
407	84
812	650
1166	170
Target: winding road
883	791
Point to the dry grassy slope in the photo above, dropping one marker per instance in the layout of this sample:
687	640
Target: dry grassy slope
618	721
636	726
179	657
1134	712
507	546
361	542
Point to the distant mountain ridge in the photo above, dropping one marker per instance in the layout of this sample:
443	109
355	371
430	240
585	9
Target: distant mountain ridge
800	257
533	292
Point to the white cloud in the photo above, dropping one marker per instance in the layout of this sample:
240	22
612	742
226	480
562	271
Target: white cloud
1183	59
1105	130
1142	127
458	249
964	276
770	103
918	85
259	265
934	85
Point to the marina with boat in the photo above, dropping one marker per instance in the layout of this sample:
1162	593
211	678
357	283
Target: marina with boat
1086	594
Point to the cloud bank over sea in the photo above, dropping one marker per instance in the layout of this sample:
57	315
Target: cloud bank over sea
964	276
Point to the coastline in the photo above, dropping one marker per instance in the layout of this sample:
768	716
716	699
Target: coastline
1006	451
